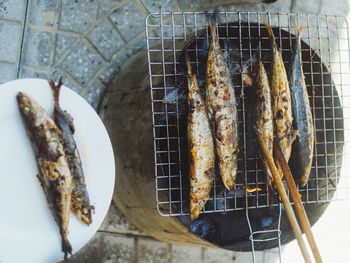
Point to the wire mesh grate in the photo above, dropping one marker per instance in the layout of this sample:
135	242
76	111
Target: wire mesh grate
243	37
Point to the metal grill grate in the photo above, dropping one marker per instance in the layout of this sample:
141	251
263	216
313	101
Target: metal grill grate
326	68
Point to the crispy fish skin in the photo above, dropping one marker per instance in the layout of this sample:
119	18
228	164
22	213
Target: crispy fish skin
80	197
201	147
281	101
301	111
54	173
222	108
263	115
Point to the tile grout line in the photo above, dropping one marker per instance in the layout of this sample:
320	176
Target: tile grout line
55	27
169	254
115	29
136	250
10	21
123	50
22	39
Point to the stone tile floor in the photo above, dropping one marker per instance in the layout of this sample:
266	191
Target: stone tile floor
86	42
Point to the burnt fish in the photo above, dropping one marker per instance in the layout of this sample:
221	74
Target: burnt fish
263	115
80	197
301	111
54	174
200	144
222	108
281	102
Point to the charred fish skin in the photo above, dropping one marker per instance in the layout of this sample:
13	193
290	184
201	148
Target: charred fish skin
201	147
54	174
222	108
281	101
263	115
301	111
80	197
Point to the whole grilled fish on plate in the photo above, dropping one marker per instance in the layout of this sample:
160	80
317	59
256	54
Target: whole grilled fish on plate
54	174
28	231
80	197
222	108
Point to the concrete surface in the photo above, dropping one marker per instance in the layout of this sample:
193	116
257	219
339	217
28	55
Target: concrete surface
86	42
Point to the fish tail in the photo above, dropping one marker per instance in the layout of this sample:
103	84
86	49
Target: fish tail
272	37
299	30
56	90
66	247
188	63
212	21
269	31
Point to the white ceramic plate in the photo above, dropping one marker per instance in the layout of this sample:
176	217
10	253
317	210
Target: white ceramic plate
28	231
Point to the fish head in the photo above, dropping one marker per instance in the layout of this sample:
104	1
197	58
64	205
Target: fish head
30	110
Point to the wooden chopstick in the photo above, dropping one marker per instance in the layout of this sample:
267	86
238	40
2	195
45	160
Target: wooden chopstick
304	221
285	200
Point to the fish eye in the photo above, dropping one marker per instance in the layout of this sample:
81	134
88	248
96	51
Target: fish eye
26	109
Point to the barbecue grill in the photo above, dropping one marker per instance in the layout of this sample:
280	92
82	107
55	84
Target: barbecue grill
243	38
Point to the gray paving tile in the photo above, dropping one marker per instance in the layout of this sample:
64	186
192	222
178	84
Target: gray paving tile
243	257
271	256
12	9
106	248
91	252
185	254
29	72
129	20
153	6
67	81
42	12
106	39
64	42
135	46
118	249
115	221
7	72
302	6
82	63
109	72
339	7
244	7
282	6
93	93
217	253
191	4
229	260
10	35
78	15
151	251
37	48
103	8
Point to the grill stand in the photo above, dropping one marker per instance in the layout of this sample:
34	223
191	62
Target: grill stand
259	232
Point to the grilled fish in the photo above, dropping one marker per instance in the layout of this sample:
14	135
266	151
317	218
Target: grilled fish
201	146
80	197
222	108
54	174
301	111
281	102
263	115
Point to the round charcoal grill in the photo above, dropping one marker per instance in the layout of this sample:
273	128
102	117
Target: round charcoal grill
229	218
230	229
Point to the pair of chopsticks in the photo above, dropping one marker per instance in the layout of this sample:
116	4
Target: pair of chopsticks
304	221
